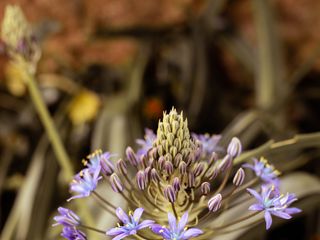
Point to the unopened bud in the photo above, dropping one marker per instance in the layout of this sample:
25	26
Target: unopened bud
168	167
161	162
213	158
154	176
141	181
199	169
176	184
239	177
122	167
169	193
205	188
177	159
212	173
215	203
225	163
115	182
191	179
234	147
107	166
182	168
131	156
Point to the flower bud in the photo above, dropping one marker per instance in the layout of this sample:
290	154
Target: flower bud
191	179
234	147
176	184
177	159
161	162
122	167
215	203
212	173
182	168
115	182
154	176
168	167
199	169
213	158
141	180
205	188
239	177
106	165
131	156
169	193
225	163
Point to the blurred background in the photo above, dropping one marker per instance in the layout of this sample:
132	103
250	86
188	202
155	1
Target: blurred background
109	68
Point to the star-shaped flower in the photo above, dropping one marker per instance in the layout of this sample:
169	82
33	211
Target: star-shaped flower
176	231
84	183
71	233
263	170
67	218
130	224
272	203
209	143
146	143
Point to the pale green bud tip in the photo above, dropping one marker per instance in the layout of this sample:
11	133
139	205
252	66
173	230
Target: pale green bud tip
15	27
173	135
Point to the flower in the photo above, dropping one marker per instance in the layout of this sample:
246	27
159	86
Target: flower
84	183
66	218
176	231
130	224
209	143
265	171
146	143
71	233
272	203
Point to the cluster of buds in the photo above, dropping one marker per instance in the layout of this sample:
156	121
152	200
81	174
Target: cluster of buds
176	174
18	38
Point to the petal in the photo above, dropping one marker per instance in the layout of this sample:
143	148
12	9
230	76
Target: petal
121	236
292	210
192	232
256	207
144	224
137	214
115	231
122	215
172	222
280	214
183	221
268	218
255	194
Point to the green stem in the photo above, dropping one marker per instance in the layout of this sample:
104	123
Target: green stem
50	127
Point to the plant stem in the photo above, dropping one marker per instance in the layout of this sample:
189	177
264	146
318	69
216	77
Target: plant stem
49	126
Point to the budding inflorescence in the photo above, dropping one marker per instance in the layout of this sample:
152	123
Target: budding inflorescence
172	174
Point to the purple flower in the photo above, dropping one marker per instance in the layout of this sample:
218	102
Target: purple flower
130	224
272	203
265	171
209	143
176	231
71	233
100	161
146	143
84	183
67	218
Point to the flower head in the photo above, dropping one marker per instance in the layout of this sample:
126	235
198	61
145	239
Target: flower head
130	224
146	143
66	218
272	203
84	183
265	171
71	233
176	231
